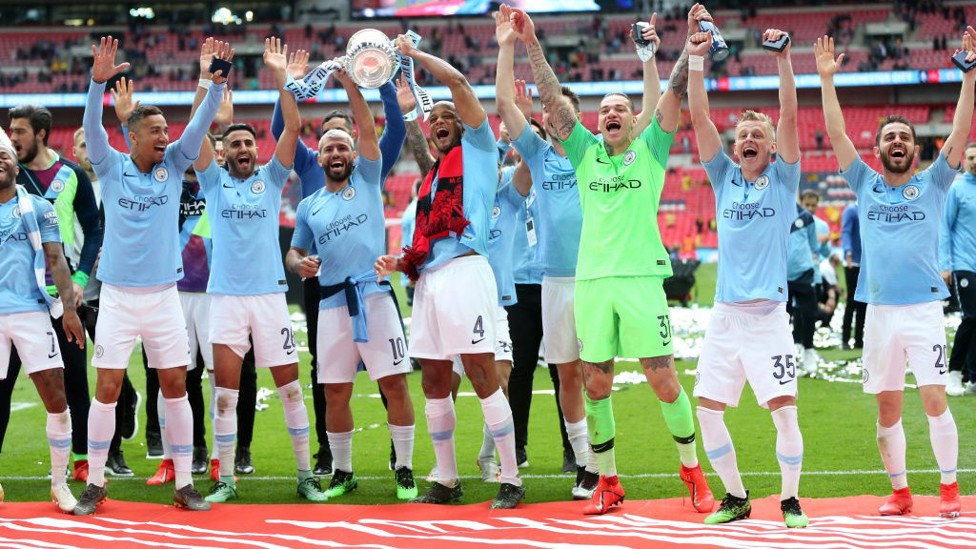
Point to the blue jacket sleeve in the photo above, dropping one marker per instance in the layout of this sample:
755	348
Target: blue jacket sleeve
945	232
277	121
847	230
814	245
395	132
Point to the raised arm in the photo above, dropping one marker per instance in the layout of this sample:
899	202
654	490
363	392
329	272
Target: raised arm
394	132
652	82
103	69
560	111
787	136
962	121
297	67
206	102
505	77
669	106
122	96
276	59
465	101
124	105
709	140
827	65
416	140
368	146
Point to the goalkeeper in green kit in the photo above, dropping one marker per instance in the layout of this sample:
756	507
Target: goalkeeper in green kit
621	308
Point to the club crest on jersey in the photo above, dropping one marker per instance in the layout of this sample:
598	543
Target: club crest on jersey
348	193
495	212
910	192
257	187
762	182
630	157
964	283
57	185
798	223
161	174
16	211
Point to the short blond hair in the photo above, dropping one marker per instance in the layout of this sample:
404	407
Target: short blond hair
753	116
336	133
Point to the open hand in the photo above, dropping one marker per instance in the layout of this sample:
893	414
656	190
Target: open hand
122	96
298	64
405	96
103	66
823	50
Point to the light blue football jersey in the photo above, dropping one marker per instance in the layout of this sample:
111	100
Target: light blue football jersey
480	159
900	234
18	286
501	238
346	228
753	219
560	217
141	247
244	224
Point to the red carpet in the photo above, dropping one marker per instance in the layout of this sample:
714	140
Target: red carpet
834	523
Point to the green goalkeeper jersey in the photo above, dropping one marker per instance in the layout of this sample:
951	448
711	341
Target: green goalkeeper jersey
620	196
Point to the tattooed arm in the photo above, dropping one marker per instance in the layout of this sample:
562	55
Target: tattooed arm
563	119
417	143
669	107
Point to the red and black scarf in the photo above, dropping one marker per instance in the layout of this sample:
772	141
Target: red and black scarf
439	214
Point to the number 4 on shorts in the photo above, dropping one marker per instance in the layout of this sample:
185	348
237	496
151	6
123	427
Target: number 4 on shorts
478	331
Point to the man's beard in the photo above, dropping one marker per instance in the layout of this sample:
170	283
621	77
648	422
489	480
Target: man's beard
886	162
30	153
343	175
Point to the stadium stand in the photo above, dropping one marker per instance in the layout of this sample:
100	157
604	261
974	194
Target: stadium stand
590	48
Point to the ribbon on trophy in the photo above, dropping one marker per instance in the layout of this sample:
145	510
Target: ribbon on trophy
424	102
310	86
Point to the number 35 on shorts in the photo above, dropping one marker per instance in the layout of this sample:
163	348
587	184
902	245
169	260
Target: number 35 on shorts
784	368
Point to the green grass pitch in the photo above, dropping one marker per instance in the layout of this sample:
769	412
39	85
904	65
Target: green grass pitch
837	421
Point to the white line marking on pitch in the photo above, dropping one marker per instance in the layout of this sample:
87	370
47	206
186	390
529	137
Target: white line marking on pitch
566	476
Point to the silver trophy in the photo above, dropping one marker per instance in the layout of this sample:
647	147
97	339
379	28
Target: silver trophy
370	58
